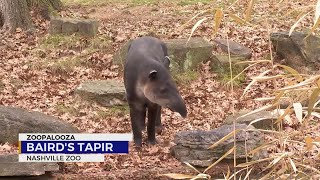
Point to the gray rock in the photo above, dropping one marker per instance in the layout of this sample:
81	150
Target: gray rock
9	166
188	55
220	61
104	92
15	120
305	103
299	52
266	119
192	146
184	56
235	48
220	64
68	26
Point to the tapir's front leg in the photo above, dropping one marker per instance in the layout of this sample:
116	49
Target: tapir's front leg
152	118
137	116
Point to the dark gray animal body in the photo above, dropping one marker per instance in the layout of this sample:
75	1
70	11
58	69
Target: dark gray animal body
149	86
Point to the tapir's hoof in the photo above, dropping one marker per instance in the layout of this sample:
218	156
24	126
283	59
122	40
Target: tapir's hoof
159	129
152	141
138	148
138	143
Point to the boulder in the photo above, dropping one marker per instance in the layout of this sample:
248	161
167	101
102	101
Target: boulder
184	56
104	92
192	146
9	166
304	103
265	119
299	50
15	120
68	26
187	55
236	49
220	64
220	59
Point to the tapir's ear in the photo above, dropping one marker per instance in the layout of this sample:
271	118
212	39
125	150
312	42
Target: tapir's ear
152	74
167	61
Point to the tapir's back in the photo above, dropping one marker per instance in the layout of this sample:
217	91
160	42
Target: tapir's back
146	49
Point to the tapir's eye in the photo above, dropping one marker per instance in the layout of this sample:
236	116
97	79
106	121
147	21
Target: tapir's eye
152	74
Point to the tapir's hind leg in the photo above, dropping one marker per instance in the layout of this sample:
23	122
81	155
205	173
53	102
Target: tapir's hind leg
137	116
151	129
159	126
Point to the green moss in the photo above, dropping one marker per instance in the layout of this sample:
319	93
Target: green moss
224	75
63	109
76	41
87	2
101	42
113	111
2	86
132	2
220	65
60	66
225	78
143	2
267	56
119	110
16	83
191	2
104	2
186	77
66	65
61	41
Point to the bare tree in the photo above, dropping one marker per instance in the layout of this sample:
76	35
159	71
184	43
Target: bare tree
15	13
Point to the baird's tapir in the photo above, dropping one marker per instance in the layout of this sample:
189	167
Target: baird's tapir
149	86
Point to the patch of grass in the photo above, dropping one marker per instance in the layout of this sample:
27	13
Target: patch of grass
2	86
60	66
76	42
143	2
101	42
61	41
66	65
220	65
62	108
224	75
104	2
113	111
131	2
191	2
16	83
87	2
186	77
225	78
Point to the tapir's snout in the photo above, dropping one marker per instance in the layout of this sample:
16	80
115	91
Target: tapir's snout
179	107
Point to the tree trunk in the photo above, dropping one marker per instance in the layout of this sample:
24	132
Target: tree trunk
45	7
14	14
